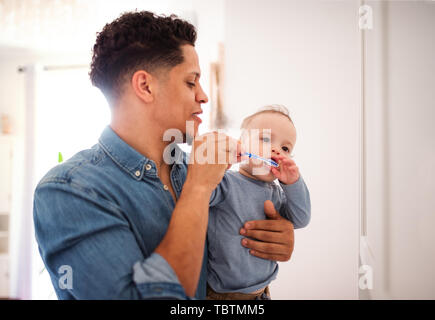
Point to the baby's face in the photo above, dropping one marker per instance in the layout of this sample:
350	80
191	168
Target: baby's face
267	135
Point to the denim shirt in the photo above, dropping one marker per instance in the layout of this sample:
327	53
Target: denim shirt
100	215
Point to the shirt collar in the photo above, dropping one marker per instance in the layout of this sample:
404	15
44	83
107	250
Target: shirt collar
128	158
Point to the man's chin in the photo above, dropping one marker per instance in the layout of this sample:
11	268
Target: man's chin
188	138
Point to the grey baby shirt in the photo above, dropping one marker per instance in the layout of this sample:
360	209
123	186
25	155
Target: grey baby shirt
236	200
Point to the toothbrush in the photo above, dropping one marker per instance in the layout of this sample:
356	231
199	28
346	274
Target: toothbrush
269	162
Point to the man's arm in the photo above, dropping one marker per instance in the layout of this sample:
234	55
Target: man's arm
91	236
183	244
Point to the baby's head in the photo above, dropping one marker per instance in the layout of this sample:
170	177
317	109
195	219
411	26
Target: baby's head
268	133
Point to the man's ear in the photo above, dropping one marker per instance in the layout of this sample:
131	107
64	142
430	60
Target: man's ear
143	85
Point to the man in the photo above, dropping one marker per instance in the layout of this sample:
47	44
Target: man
124	222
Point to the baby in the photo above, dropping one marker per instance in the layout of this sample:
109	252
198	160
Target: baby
233	273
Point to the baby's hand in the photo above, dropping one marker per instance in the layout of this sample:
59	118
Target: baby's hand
287	172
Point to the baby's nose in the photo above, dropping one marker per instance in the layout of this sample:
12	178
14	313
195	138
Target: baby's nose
275	150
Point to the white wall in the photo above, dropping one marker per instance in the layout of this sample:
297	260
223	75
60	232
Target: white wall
305	55
400	97
210	26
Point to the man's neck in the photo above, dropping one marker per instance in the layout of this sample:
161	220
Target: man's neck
144	140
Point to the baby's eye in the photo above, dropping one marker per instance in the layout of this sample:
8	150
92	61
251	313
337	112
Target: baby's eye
265	139
286	149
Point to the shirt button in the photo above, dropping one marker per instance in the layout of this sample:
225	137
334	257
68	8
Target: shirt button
137	173
166	187
148	167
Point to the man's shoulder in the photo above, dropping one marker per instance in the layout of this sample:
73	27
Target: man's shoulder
85	163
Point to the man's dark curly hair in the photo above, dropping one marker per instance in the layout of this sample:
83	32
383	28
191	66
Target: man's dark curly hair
135	41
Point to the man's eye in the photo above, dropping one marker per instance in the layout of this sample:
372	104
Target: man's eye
265	139
286	149
191	84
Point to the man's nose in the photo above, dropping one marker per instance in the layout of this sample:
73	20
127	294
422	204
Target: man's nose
201	97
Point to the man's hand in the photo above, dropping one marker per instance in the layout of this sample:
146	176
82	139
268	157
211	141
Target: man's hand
212	154
276	236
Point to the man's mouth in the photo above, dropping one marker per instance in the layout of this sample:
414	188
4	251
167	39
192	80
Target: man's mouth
196	117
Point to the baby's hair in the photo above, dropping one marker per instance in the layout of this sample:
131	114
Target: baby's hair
272	108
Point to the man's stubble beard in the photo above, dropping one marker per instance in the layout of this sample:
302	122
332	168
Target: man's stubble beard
188	138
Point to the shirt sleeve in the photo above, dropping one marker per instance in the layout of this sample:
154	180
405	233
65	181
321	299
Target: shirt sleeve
218	195
296	204
92	237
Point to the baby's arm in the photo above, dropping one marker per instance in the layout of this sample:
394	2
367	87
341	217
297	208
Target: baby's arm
296	205
295	198
218	194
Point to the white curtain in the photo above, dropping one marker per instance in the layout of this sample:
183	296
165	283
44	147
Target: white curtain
22	233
